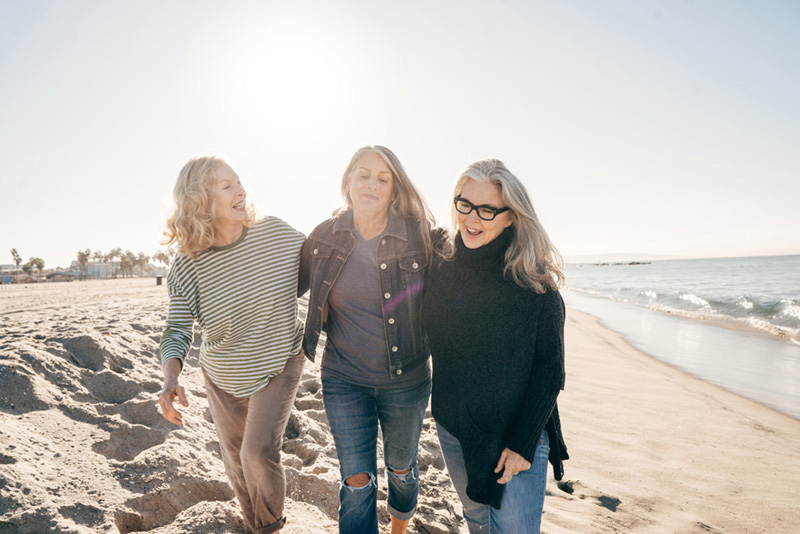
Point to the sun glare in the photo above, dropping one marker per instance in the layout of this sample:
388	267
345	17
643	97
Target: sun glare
294	88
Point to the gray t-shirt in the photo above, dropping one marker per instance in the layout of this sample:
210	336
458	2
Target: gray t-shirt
356	347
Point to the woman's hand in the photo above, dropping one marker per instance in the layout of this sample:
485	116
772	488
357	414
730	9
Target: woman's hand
171	389
513	463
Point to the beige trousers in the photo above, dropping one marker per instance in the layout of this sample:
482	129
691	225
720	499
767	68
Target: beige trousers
250	434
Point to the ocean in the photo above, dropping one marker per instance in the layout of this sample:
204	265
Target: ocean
734	322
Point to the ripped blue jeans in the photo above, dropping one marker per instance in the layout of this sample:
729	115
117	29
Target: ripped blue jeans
354	413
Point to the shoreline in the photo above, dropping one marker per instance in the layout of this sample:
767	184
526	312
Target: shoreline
672	452
767	330
750	363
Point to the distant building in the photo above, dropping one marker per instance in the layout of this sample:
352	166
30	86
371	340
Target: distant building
107	269
10	273
102	269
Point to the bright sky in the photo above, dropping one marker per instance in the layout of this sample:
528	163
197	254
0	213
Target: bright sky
646	127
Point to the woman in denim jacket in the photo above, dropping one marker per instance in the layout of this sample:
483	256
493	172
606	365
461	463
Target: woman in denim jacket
366	267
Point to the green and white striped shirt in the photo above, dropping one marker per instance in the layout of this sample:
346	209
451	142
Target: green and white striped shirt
244	297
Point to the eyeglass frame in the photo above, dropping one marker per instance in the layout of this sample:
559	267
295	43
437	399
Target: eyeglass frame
476	209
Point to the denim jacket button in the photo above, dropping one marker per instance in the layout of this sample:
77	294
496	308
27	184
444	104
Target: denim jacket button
394	348
387	295
415	265
383	266
391	320
399	371
383	241
316	251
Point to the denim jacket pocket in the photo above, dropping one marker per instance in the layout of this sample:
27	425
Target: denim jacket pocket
321	250
412	267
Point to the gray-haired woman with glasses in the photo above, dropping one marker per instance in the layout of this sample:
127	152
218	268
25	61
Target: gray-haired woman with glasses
495	322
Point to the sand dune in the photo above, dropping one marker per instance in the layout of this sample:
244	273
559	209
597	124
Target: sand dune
83	448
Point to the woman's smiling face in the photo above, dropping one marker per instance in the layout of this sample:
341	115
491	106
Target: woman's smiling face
229	197
477	232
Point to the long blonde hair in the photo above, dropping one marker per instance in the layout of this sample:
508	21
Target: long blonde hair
190	226
531	259
407	200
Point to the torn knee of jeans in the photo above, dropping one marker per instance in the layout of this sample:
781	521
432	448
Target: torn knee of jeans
371	481
404	475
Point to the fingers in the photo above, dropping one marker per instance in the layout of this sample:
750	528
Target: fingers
165	401
502	461
182	396
508	473
511	463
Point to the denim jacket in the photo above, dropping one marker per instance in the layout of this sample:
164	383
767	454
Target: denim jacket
402	272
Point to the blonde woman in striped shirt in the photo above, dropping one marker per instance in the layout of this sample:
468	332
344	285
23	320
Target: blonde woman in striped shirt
236	277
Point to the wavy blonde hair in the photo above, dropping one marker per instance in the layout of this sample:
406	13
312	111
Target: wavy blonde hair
407	200
190	226
531	259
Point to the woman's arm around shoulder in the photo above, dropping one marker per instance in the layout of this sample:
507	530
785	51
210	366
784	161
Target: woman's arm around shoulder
304	280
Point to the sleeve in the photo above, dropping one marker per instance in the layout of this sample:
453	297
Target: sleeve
546	379
177	337
304	277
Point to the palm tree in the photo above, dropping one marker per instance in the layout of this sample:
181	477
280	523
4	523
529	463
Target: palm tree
107	259
83	259
115	253
97	257
127	262
38	263
17	257
141	261
162	257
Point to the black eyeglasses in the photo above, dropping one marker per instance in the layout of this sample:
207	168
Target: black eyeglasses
487	213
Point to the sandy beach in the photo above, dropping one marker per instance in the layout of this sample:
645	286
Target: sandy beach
83	448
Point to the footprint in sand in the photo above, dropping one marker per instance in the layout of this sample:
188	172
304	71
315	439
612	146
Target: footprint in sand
305	425
307	403
577	489
318	489
126	442
213	448
83	514
307	452
135	412
18	393
160	508
85	352
308	386
429	454
109	387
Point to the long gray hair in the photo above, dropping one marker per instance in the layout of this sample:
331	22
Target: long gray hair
531	258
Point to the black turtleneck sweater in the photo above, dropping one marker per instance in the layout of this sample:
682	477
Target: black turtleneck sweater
498	362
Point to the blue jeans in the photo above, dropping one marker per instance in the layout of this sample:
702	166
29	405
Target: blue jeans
523	499
354	413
